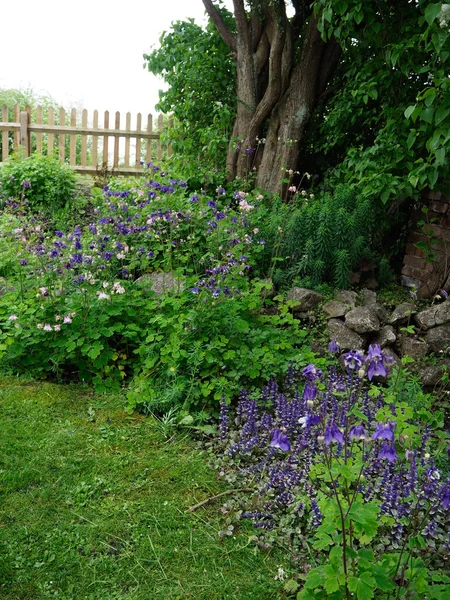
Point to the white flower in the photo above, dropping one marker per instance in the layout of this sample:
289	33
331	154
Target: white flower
67	319
39	326
47	327
102	296
13	318
56	327
302	421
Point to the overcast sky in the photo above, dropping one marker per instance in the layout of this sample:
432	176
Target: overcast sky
88	53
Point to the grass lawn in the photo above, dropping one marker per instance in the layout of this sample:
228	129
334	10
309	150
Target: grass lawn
94	505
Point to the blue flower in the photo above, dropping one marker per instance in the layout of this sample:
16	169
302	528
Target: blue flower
195	290
311	372
333	434
384	431
388	452
310	391
280	440
333	346
357	432
376	362
446	496
353	360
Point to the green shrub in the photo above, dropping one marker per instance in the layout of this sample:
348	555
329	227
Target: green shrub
41	181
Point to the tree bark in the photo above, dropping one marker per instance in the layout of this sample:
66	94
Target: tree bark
277	91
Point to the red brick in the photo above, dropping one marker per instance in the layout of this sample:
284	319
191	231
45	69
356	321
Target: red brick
416	237
419	274
429	267
407	271
434	195
410	249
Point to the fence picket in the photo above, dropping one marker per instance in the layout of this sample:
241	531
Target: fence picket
50	137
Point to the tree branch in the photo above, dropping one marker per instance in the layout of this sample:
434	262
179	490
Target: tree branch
216	18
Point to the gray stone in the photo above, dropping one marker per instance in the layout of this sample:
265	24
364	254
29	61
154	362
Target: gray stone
386	336
438	338
433	316
347	297
401	313
431	375
369	298
381	312
413	347
362	319
345	337
303	299
161	283
335	309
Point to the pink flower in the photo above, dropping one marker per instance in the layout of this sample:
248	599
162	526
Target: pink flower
56	327
39	326
102	296
292	188
13	318
67	319
47	327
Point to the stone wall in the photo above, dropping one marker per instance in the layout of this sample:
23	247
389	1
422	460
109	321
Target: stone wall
428	274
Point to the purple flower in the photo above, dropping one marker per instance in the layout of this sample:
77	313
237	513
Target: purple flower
311	372
310	391
353	360
384	431
376	362
280	440
357	432
446	496
23	262
388	452
333	346
333	434
195	290
26	184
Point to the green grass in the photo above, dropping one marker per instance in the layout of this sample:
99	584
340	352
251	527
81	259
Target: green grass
94	505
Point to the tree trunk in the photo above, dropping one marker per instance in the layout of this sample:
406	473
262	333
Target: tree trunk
275	91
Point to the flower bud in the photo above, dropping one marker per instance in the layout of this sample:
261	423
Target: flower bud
320	439
361	373
310	403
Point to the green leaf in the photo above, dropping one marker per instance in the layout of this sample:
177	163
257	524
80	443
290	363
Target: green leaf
409	111
432	11
364	586
441	113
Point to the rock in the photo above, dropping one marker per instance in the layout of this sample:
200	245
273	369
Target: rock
433	316
431	375
368	297
347	297
304	299
345	337
362	319
161	283
335	309
381	312
413	347
386	336
401	313
438	338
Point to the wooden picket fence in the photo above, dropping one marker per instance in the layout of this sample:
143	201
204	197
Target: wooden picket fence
86	147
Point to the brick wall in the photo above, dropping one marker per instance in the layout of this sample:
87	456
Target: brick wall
420	270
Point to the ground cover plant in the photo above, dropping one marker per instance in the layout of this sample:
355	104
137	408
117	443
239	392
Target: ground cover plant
95	504
352	477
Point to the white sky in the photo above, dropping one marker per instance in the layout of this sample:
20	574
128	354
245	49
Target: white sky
88	53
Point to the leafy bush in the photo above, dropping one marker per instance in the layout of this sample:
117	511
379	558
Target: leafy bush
43	182
344	472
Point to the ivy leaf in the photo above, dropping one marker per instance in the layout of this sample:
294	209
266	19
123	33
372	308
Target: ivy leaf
432	11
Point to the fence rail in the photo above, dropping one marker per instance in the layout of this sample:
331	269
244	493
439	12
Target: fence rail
83	146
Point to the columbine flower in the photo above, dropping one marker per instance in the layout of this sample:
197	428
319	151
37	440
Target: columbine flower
67	319
384	431
357	432
311	372
333	346
56	327
48	327
353	360
376	362
388	452
102	296
333	434
310	391
280	440
26	184
446	496
39	326
13	318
